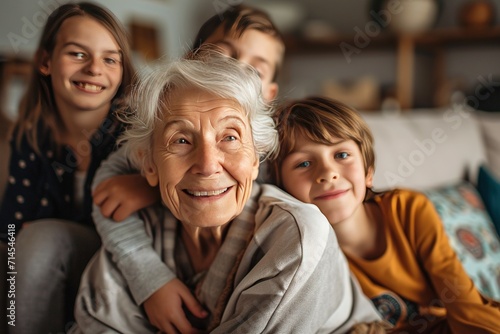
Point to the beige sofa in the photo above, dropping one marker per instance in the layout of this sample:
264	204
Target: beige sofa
428	148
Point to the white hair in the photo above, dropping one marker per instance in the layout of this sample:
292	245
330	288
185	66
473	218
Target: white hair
210	71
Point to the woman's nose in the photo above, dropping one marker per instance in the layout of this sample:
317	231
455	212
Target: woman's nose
208	160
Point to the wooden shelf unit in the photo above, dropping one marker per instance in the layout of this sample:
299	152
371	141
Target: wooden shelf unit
405	46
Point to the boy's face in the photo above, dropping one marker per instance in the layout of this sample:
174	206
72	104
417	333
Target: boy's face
255	48
330	176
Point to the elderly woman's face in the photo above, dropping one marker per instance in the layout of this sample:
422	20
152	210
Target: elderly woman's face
204	159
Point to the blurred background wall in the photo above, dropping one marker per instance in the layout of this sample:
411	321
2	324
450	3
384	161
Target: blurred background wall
314	30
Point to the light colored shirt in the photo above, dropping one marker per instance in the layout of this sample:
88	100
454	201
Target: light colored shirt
292	277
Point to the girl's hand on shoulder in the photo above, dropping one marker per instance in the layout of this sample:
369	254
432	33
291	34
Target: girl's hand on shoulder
165	308
120	196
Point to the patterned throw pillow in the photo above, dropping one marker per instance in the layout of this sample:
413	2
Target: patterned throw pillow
489	189
471	233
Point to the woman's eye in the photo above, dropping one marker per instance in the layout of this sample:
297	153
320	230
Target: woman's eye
342	155
230	138
181	141
304	164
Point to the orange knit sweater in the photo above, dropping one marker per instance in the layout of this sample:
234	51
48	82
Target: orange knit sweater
418	283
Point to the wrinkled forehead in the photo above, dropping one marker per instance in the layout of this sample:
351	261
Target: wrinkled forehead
181	101
195	112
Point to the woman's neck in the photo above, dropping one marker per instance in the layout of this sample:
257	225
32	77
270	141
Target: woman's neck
203	244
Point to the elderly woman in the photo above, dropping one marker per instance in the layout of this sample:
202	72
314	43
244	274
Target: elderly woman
256	258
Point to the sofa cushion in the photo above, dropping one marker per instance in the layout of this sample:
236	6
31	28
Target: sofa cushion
425	148
489	189
490	129
471	234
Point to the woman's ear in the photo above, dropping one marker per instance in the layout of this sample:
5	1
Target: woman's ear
150	172
369	178
44	63
255	168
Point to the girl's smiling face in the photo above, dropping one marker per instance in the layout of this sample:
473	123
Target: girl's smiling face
330	176
85	66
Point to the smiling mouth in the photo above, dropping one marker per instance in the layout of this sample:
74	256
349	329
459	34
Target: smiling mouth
205	193
89	87
332	195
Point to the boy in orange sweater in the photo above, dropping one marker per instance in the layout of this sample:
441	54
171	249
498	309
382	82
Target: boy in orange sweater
394	241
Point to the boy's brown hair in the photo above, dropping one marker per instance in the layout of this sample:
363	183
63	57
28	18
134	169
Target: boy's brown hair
320	120
238	19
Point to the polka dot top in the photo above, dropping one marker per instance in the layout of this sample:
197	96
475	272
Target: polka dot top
43	185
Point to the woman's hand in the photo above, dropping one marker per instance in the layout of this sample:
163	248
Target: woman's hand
165	308
121	195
